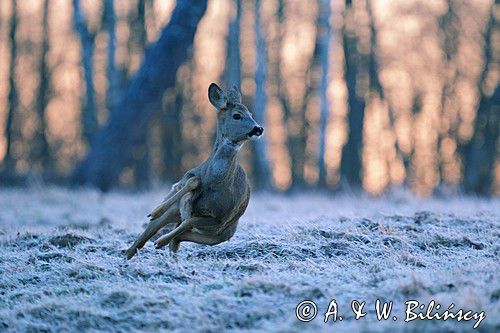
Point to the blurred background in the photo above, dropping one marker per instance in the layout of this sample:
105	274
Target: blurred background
355	95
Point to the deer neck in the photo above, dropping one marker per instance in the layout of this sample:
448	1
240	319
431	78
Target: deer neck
224	157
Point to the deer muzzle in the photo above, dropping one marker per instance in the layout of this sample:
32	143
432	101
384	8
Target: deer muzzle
256	132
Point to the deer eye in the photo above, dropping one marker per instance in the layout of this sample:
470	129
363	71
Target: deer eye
237	116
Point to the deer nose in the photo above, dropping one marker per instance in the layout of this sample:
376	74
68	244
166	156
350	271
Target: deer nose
257	130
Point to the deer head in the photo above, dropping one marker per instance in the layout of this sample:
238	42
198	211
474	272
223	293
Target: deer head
234	122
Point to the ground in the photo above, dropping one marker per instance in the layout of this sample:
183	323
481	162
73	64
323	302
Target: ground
62	264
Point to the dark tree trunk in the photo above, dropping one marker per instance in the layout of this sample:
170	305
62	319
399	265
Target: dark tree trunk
376	86
172	137
232	72
324	32
480	153
109	24
351	162
40	149
296	136
262	174
9	162
295	139
291	141
89	116
373	64
450	29
112	146
142	169
297	142
280	89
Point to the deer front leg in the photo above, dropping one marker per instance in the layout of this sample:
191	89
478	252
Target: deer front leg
183	227
152	228
191	184
162	215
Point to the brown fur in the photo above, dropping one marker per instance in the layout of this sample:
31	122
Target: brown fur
209	213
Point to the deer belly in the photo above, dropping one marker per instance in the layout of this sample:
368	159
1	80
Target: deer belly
215	203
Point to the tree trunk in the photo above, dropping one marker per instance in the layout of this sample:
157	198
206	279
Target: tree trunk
262	174
172	136
450	29
142	168
481	151
351	163
297	142
40	149
280	89
89	117
112	147
292	141
324	31
10	161
377	88
232	73
109	19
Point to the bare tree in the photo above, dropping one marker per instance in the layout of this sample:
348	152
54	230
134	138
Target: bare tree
109	20
449	24
295	142
373	66
142	169
376	86
351	163
232	72
280	87
262	174
112	148
9	162
480	153
295	139
172	138
40	149
324	32
89	116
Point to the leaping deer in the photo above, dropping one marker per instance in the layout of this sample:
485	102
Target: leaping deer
208	201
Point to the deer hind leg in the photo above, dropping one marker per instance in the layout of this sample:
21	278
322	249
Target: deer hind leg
170	216
186	225
195	237
185	210
202	238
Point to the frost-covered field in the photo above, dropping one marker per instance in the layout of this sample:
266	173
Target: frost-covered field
62	266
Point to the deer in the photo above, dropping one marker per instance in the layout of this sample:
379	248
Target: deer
205	205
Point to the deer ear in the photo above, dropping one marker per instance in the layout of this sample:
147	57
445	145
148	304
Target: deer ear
217	97
234	95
